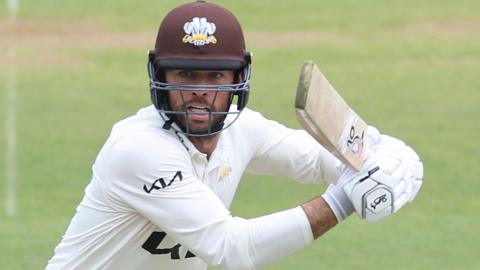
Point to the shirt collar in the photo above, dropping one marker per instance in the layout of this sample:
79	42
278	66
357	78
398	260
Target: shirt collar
219	156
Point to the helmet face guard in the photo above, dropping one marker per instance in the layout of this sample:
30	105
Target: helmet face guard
199	36
159	91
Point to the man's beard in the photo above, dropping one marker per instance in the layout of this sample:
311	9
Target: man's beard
213	121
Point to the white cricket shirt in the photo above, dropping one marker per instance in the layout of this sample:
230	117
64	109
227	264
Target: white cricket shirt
156	202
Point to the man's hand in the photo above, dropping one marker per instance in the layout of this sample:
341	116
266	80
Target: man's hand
390	178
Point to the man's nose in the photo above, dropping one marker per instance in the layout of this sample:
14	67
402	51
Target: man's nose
200	92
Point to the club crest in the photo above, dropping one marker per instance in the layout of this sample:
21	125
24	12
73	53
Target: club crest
224	171
199	32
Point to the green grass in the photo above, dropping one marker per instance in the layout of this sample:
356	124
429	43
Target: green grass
408	67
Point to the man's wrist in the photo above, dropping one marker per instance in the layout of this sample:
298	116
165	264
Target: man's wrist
320	216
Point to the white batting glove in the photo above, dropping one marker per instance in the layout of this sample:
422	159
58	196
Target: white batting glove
390	178
335	195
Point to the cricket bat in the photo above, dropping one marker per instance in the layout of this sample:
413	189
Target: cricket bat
326	116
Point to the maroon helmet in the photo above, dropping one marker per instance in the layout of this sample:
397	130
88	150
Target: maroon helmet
199	36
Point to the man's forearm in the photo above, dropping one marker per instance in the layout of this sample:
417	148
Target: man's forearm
320	216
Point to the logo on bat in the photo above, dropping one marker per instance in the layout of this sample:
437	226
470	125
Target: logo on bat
355	141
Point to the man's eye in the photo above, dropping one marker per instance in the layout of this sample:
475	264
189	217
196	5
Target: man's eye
215	75
185	73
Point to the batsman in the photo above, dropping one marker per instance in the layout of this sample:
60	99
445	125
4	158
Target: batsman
165	178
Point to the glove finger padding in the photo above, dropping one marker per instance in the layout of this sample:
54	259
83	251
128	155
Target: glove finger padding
391	177
373	135
418	180
416	173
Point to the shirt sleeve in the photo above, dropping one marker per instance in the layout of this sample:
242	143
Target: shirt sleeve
153	177
291	153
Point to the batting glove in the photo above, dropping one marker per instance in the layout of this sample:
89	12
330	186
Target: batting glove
390	178
335	195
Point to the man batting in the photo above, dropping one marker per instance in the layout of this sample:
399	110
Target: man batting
165	178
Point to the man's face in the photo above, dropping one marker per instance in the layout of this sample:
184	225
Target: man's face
198	101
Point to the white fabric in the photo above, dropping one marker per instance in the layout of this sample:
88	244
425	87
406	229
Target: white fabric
337	199
152	188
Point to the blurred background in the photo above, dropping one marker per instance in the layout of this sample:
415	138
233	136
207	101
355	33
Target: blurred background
70	69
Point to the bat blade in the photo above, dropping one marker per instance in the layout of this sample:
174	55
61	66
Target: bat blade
326	116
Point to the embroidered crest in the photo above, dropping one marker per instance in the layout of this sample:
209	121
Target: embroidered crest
224	172
199	32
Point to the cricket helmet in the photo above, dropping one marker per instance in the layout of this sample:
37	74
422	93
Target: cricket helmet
199	36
